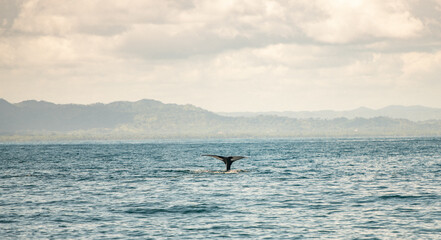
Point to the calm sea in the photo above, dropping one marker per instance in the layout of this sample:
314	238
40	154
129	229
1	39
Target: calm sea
376	188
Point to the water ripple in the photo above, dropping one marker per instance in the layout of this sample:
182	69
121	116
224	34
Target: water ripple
372	188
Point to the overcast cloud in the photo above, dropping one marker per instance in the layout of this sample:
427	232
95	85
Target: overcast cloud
223	55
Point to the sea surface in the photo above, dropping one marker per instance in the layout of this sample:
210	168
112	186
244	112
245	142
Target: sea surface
363	188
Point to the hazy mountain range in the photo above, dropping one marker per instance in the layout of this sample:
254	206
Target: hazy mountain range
413	113
152	119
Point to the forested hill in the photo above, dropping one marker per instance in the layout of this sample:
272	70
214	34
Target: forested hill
40	115
413	113
153	119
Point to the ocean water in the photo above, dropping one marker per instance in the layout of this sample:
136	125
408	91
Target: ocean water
368	188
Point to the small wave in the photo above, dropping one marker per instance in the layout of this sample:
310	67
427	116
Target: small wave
223	172
410	197
198	171
174	170
7	221
179	209
14	176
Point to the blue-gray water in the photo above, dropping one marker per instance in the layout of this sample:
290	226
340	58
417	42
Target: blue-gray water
286	189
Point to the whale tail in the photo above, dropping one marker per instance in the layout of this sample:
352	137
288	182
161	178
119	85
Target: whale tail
227	160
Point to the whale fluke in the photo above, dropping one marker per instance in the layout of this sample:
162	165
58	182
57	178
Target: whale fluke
227	160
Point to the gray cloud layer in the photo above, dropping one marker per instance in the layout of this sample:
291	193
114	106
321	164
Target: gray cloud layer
223	55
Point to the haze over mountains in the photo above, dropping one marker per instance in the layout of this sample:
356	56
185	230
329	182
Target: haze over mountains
39	120
413	113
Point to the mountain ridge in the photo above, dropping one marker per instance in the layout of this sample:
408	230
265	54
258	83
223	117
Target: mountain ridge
413	113
153	119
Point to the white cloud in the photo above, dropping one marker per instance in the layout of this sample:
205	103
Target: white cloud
45	18
223	55
422	68
348	20
43	51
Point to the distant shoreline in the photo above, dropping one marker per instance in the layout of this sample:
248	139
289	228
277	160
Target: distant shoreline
151	119
65	138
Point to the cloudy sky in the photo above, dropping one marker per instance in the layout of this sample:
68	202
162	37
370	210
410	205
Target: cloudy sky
223	55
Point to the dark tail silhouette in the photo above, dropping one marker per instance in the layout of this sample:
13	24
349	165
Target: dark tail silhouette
227	160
